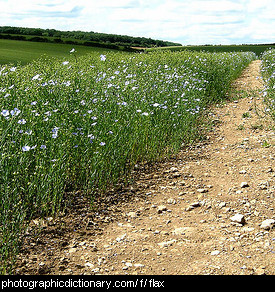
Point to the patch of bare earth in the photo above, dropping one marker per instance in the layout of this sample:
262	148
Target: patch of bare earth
179	216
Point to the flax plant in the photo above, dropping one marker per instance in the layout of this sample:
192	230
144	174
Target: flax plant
83	124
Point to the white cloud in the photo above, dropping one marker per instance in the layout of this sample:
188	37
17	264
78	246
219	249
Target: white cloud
184	21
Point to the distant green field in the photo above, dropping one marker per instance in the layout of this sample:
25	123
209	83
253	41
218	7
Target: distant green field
23	52
257	49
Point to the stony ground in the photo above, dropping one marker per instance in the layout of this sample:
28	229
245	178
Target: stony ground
210	210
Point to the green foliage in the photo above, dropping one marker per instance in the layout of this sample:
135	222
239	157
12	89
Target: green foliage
268	73
82	123
246	115
48	35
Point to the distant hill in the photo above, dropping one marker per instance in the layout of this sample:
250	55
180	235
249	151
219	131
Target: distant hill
91	38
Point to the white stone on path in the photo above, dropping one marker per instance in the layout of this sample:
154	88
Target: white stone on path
238	218
267	224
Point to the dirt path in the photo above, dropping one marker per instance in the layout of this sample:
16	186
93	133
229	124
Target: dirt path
178	219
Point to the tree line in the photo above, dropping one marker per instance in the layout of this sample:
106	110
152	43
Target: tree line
80	37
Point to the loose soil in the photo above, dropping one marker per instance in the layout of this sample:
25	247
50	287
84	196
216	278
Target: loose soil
176	217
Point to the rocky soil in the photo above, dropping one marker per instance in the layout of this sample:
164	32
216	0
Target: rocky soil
209	210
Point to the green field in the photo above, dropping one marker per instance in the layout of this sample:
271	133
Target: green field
23	52
257	49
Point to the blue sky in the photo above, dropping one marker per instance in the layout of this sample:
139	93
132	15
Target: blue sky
185	21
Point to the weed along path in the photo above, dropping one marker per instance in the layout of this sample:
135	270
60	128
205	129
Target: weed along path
210	210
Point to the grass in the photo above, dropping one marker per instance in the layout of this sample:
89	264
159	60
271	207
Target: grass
240	127
83	122
246	115
265	144
257	127
24	52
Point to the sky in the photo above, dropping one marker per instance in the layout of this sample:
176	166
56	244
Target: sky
189	22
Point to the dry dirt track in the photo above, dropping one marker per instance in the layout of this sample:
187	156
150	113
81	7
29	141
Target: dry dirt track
177	217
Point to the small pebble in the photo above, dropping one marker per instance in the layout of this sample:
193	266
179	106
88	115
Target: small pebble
244	184
238	218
